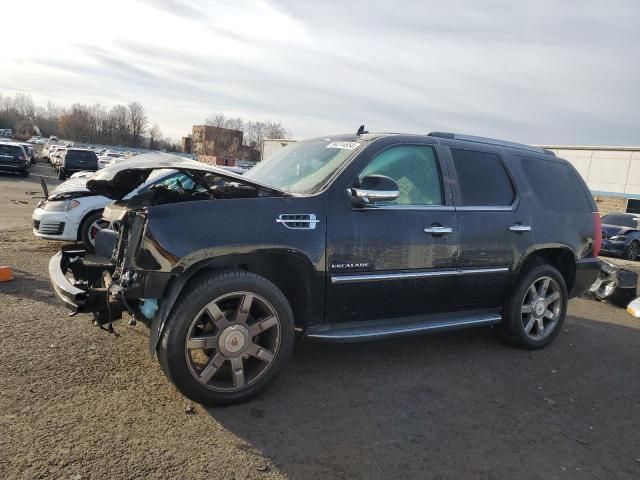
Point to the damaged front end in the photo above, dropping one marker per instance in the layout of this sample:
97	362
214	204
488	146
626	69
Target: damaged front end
88	288
106	286
130	271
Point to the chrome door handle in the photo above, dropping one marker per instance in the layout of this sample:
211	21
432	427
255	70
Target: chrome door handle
520	228
438	229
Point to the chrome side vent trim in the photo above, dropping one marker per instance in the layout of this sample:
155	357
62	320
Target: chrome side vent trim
298	221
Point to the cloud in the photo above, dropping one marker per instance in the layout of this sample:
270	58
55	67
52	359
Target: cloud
538	72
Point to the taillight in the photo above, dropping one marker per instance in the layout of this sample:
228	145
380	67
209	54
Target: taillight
597	237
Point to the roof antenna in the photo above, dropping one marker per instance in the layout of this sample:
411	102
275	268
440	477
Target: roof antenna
361	130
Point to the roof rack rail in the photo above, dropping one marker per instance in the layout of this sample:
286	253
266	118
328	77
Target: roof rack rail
490	141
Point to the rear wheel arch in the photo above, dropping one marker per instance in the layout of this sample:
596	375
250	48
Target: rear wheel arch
560	257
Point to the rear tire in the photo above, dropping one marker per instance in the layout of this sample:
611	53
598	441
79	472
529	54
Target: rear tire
533	315
632	251
229	335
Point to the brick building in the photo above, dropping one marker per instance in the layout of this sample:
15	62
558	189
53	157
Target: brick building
215	141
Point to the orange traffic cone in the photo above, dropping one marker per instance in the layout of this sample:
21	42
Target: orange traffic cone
5	274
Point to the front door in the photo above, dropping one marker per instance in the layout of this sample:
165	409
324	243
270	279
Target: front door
393	258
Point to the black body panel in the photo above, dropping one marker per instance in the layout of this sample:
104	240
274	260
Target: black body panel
339	261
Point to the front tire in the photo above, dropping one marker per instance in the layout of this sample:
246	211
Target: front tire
534	314
227	338
633	250
61	174
89	228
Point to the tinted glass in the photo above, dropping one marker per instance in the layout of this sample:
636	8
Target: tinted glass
620	220
81	155
557	185
10	150
482	178
415	170
633	206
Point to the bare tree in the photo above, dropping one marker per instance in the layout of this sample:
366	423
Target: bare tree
217	120
155	136
254	131
138	122
119	118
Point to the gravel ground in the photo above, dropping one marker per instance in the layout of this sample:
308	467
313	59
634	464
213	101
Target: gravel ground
77	402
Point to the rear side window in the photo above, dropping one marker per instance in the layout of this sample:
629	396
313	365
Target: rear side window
557	185
482	178
10	150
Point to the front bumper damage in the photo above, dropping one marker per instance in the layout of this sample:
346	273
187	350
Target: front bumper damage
86	287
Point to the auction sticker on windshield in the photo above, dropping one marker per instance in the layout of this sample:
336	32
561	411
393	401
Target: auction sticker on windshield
344	145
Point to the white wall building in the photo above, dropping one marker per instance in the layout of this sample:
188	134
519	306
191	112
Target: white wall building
607	170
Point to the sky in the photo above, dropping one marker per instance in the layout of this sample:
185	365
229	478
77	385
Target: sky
547	72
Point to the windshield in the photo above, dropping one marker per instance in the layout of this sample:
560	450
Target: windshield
303	167
620	220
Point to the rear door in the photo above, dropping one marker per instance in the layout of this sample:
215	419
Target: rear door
495	226
381	261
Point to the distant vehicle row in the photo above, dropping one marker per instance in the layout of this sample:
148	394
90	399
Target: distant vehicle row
68	160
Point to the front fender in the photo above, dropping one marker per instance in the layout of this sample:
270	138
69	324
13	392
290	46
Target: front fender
246	256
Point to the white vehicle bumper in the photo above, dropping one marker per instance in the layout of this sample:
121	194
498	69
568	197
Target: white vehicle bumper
54	225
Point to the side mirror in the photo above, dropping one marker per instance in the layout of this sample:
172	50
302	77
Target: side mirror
374	188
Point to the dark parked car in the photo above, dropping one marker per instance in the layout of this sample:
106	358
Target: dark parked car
347	238
14	158
31	153
77	160
621	235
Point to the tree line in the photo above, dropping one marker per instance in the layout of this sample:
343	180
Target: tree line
124	125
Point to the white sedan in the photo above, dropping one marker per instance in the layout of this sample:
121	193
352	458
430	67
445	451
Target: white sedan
73	213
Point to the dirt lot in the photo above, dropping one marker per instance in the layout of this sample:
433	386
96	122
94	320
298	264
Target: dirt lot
76	402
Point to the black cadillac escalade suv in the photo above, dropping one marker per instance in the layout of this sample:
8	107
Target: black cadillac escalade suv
341	238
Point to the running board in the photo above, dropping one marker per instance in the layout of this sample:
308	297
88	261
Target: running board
402	326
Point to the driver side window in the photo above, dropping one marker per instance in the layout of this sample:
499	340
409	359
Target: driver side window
177	181
415	170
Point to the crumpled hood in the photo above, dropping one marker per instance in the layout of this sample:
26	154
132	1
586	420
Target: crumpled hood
71	185
118	180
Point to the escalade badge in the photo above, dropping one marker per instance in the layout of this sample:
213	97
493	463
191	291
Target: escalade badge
348	266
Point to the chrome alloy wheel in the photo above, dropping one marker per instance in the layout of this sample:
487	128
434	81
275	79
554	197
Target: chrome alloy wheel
232	341
541	308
